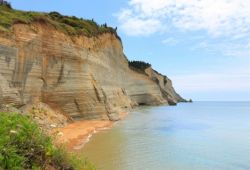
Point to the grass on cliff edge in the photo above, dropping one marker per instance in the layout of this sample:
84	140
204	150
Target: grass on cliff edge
70	25
23	145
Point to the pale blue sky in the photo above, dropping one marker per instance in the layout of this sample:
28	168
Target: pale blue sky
202	45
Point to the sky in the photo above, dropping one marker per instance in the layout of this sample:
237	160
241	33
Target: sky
202	45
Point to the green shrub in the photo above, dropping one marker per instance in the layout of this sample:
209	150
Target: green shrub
68	24
139	66
55	15
5	3
23	145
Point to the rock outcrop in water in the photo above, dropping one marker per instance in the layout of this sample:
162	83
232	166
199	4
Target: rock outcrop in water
84	77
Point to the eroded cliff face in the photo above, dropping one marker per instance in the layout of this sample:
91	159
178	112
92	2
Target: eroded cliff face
86	78
166	87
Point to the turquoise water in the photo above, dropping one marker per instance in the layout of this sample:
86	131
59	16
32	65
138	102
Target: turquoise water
197	136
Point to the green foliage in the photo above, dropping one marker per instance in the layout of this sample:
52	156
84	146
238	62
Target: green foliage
8	17
139	66
5	3
23	145
68	24
79	26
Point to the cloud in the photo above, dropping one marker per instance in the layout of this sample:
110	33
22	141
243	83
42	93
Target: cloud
216	17
212	82
137	25
224	47
170	41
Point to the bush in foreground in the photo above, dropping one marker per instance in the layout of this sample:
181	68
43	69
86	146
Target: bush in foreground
23	145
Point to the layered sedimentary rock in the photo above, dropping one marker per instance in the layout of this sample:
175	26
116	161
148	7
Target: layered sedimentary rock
86	78
166	86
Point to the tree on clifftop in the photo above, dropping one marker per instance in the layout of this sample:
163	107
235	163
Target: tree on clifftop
5	3
139	66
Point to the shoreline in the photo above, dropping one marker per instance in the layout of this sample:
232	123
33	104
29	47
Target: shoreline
75	135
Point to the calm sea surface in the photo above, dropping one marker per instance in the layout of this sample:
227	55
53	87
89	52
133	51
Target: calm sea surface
197	136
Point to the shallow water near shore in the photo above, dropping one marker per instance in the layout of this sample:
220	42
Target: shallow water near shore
197	136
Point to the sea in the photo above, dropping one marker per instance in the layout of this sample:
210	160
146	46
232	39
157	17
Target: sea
189	136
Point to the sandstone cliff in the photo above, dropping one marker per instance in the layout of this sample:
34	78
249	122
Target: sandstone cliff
83	77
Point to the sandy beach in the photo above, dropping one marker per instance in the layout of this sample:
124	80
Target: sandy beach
76	134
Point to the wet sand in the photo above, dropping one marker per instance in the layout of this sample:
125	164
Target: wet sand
76	134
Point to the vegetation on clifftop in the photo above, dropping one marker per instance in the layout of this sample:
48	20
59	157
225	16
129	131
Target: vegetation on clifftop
23	145
68	24
139	66
5	3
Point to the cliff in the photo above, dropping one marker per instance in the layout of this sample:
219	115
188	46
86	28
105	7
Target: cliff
84	77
